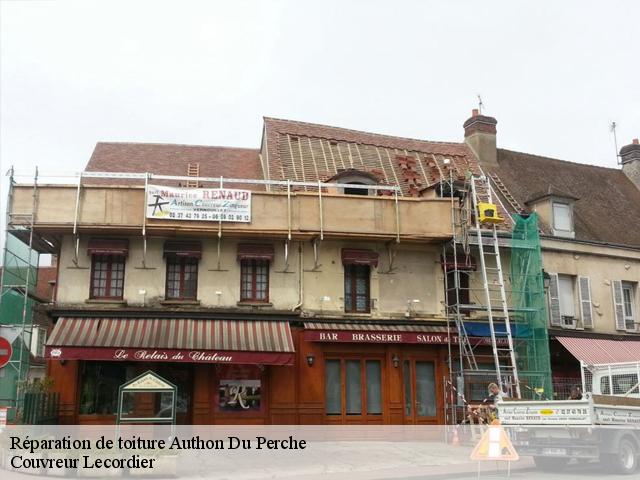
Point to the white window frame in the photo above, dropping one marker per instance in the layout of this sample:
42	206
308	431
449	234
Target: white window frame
567	309
561	232
629	319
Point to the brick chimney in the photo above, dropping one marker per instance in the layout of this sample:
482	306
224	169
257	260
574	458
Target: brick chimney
630	157
480	135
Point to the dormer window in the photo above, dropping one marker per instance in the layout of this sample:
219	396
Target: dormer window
356	191
555	208
355	177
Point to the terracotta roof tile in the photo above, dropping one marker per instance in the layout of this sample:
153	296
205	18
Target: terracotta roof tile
310	152
169	159
606	209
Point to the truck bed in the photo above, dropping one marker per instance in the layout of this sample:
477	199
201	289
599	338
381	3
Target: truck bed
591	410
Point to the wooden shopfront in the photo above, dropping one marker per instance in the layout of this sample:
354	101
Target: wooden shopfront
378	374
221	368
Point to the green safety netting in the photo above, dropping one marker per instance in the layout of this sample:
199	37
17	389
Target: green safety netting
19	277
530	309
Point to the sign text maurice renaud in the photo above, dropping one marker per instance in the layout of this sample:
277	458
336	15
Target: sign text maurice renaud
201	204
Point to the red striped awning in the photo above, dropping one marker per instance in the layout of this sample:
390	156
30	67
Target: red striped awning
593	351
179	340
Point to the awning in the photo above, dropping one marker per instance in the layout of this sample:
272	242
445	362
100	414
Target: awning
594	351
255	252
352	256
108	246
171	340
182	249
381	333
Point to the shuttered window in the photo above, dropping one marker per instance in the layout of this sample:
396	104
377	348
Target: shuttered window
628	305
586	312
618	305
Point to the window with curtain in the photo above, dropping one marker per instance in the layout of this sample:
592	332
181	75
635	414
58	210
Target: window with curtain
358	382
357	288
182	278
254	280
107	276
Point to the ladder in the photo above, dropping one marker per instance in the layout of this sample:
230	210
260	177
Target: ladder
494	293
506	193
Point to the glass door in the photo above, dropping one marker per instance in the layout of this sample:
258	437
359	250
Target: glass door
419	378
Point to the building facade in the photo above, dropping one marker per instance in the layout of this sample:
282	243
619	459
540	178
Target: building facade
318	296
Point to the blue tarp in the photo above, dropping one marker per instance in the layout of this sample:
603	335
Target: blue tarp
481	329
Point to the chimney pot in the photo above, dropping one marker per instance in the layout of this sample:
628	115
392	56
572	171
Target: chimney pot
636	141
474	112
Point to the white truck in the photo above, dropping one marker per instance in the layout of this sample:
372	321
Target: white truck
604	424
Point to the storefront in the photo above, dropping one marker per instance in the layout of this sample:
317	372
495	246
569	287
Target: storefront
379	373
221	368
256	372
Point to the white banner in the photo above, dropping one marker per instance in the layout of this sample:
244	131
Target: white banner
199	204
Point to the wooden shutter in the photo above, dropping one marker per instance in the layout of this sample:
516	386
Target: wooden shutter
618	306
586	312
554	301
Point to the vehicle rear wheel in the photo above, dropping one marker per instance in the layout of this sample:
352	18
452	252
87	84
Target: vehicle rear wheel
549	464
625	460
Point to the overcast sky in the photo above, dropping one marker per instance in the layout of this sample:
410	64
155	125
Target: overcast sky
75	73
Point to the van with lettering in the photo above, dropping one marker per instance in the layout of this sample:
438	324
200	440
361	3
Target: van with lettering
603	425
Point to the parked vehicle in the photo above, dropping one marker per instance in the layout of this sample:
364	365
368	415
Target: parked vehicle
604	424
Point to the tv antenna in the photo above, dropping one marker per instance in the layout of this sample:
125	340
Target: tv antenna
613	127
480	104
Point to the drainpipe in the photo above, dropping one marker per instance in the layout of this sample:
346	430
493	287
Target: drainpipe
300	278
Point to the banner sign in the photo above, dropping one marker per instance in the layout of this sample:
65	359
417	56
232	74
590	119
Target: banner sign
168	355
347	336
199	204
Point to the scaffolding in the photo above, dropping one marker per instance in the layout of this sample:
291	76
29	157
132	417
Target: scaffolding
17	301
511	307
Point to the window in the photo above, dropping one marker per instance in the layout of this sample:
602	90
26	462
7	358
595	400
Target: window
41	337
623	384
254	280
107	276
628	303
182	278
562	219
463	289
356	191
99	387
567	299
358	382
356	288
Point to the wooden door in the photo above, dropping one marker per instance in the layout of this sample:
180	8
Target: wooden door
421	392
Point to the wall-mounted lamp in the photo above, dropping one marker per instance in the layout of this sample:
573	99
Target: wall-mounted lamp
311	360
396	360
546	279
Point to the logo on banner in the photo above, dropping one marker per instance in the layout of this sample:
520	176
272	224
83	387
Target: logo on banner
199	204
55	352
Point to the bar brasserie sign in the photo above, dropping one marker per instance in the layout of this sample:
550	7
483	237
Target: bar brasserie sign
199	204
